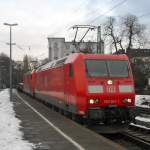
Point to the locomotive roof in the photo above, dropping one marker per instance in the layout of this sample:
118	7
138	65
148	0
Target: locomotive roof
52	64
106	56
72	57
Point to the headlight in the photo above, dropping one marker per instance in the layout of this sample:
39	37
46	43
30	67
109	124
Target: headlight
91	101
109	82
94	101
126	88
95	89
127	100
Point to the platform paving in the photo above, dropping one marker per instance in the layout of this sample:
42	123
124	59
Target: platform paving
45	137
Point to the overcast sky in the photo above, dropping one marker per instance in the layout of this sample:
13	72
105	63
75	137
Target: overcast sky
39	19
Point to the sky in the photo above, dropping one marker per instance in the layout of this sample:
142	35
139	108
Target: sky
39	19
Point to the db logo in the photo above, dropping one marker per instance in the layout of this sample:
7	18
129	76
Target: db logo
111	89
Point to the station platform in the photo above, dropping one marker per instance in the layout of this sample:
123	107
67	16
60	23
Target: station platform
49	130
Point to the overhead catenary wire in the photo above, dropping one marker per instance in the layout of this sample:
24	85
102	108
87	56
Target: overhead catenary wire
105	13
93	20
144	15
69	24
83	3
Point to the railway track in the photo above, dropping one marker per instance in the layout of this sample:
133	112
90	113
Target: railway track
137	138
142	110
139	135
134	138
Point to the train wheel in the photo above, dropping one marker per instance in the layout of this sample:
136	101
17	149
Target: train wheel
77	118
61	111
50	106
73	117
56	109
88	122
66	113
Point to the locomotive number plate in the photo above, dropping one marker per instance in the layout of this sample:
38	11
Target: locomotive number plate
110	101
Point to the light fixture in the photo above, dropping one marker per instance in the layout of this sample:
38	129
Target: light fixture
127	100
94	101
91	101
109	82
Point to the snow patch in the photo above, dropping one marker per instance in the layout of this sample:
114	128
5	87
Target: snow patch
142	119
142	101
11	138
140	126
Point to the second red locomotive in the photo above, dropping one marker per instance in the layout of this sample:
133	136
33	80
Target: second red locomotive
90	86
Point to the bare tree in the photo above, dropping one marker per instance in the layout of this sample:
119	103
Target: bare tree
132	29
4	71
109	31
30	63
26	64
125	33
120	37
44	61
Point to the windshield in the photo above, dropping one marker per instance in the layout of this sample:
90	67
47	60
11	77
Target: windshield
107	68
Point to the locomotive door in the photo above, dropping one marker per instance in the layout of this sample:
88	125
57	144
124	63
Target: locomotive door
68	80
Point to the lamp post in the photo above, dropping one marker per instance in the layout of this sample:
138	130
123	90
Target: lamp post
10	65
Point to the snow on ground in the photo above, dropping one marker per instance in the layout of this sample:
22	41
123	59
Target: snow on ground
140	126
142	101
143	119
145	122
11	138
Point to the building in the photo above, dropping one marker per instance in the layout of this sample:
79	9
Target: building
140	59
136	54
58	47
139	54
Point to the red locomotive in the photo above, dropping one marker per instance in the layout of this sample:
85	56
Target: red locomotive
90	86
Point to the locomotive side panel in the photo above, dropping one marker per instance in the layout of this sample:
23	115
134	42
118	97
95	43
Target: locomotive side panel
75	88
27	80
69	88
56	83
81	85
50	85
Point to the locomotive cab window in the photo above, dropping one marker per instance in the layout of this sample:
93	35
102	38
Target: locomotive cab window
96	68
70	70
107	68
118	68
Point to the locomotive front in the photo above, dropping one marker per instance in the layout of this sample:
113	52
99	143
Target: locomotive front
110	89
